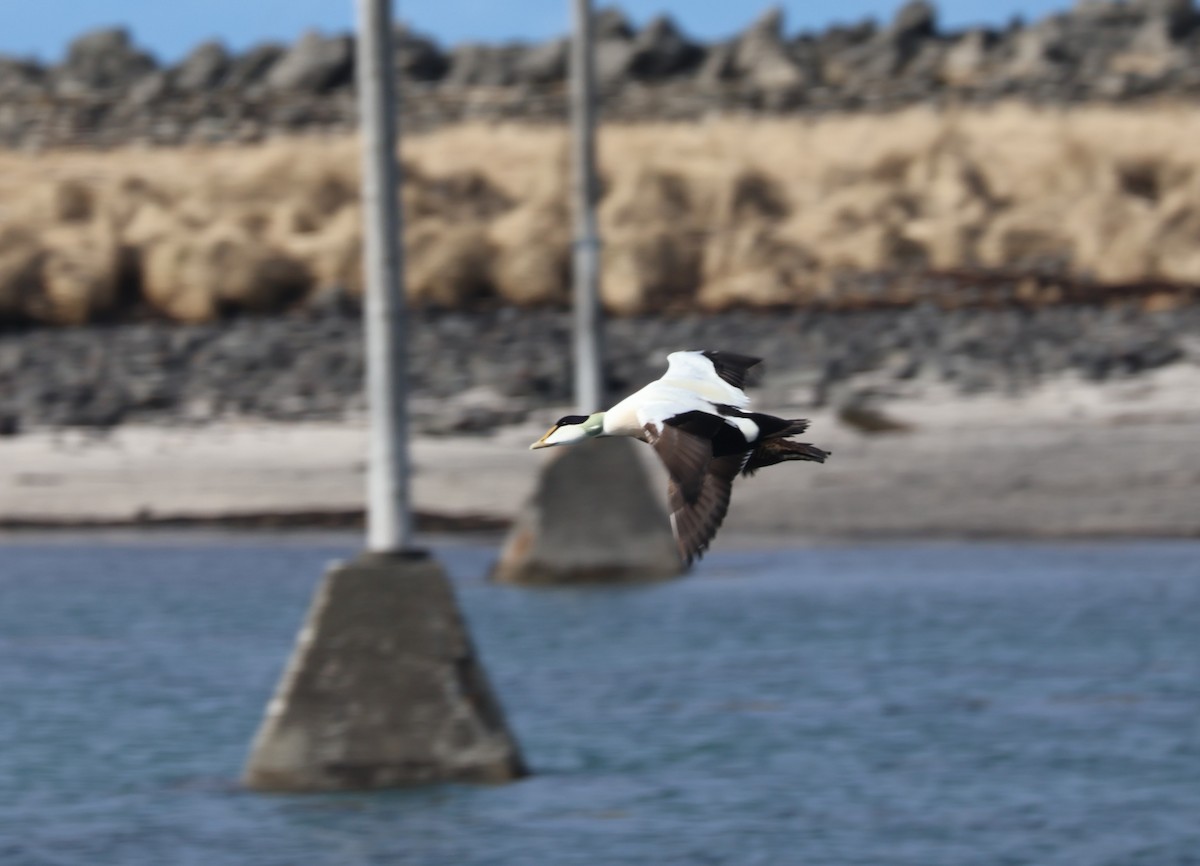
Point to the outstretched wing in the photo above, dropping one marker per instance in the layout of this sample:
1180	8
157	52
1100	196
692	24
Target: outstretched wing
731	367
718	377
686	456
695	521
700	484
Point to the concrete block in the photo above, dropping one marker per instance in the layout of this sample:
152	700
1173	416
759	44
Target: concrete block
593	518
383	689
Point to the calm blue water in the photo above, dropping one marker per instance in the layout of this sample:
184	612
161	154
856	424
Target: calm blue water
888	704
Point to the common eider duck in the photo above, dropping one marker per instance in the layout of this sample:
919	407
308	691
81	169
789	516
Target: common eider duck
697	420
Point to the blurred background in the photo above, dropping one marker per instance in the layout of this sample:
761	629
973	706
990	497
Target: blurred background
966	240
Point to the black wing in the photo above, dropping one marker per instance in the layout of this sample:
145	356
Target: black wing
732	367
695	521
700	484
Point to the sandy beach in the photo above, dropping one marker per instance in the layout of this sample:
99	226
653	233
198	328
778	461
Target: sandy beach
1064	459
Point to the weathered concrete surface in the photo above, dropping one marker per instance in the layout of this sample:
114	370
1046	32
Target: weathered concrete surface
383	689
593	517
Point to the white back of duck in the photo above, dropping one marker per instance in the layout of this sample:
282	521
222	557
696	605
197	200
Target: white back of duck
696	372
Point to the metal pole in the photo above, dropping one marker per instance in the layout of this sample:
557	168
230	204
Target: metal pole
589	339
389	525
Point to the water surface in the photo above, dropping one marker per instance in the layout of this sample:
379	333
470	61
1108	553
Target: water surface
885	704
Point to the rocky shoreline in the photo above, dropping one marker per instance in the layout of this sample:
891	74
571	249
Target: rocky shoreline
473	372
108	91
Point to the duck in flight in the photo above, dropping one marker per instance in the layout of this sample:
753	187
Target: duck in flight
697	420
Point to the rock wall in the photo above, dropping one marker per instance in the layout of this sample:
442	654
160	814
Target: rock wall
472	372
108	91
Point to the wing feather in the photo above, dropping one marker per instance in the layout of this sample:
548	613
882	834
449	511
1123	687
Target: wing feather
700	484
685	455
696	522
731	367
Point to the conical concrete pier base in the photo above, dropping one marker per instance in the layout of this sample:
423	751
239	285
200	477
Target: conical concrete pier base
383	689
593	518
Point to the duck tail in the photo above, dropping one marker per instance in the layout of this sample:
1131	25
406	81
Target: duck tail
775	451
795	427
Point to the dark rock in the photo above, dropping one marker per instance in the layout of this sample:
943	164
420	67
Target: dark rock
480	370
916	19
1038	51
613	59
543	64
107	93
968	60
315	63
252	67
473	65
1180	16
910	38
20	77
719	64
611	23
419	58
203	68
760	58
149	89
661	50
1152	52
102	60
1104	12
890	51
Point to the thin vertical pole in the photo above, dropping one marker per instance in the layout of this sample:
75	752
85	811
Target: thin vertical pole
589	345
389	524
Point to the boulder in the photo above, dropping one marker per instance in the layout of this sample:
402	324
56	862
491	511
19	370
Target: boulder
719	64
1038	51
759	58
102	60
475	65
543	64
1104	12
203	68
611	23
20	76
149	89
315	63
916	19
915	23
764	59
1179	15
1151	52
967	60
894	48
661	50
252	67
419	58
614	57
840	49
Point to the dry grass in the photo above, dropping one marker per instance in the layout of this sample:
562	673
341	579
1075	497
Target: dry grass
708	215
